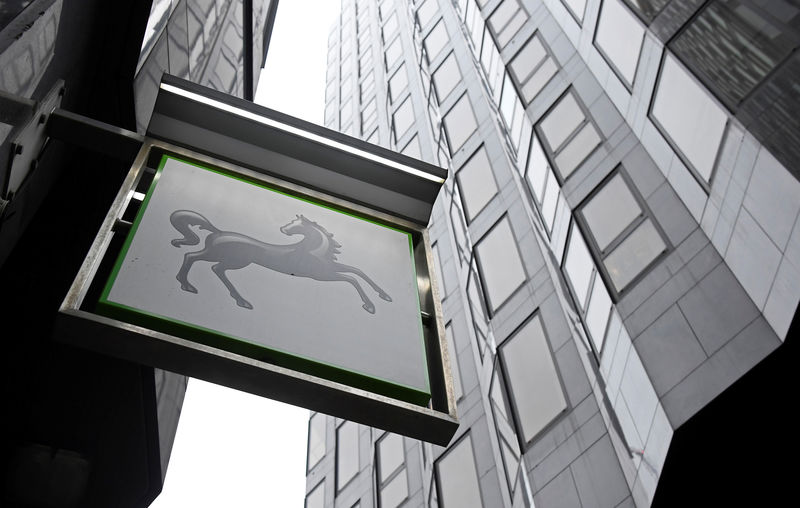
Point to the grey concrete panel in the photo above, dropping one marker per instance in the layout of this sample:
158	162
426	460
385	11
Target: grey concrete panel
598	476
658	441
671	214
669	350
692	245
717	308
663	298
716	374
618	364
688	188
745	160
625	419
772	198
559	493
657	147
557	328
561	431
753	258
783	297
562	456
644	289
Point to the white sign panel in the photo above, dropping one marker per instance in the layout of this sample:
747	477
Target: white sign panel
234	264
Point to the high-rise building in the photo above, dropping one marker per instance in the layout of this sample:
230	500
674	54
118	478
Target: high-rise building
80	428
618	247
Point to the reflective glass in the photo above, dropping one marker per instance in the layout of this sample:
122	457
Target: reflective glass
620	35
689	116
390	27
476	183
562	121
390	455
316	439
576	151
579	266
403	118
537	169
458	477
436	41
426	12
610	211
393	52
316	498
346	453
398	83
395	492
460	123
446	77
346	112
412	149
633	255
500	263
597	315
535	389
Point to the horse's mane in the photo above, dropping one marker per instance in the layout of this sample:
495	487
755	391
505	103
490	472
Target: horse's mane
333	245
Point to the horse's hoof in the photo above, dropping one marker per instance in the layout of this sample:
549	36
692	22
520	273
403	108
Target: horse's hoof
385	297
189	288
176	243
369	308
245	304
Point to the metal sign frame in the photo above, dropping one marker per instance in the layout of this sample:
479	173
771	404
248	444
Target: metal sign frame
81	325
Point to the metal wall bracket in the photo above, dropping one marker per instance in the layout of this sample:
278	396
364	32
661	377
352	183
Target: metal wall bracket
30	141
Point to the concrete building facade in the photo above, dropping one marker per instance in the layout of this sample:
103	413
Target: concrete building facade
617	245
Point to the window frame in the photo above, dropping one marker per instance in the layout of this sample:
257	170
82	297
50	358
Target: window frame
341	488
437	474
517	85
313	489
551	153
456	174
578	19
310	466
609	61
525	446
488	304
402	468
599	256
705	185
454	151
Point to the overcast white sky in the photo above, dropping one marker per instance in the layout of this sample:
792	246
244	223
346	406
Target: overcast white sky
234	449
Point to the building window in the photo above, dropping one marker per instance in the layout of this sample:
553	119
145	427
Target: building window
619	39
412	148
569	136
331	113
732	45
426	11
390	27
316	498
476	183
543	183
532	68
499	263
457	479
689	118
403	119
316	440
458	389
393	52
576	8
369	116
506	20
391	471
398	83
346	112
436	40
367	86
347	460
446	77
459	123
534	386
621	230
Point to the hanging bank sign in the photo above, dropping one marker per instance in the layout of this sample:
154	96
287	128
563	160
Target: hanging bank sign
260	252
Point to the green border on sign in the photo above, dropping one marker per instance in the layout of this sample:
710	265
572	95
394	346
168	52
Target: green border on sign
238	345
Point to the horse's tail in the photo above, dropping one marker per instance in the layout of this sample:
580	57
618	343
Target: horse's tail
182	220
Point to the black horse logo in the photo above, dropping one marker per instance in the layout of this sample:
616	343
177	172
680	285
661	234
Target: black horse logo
314	256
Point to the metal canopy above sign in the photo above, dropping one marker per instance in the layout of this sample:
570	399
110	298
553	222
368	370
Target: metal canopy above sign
229	270
268	141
